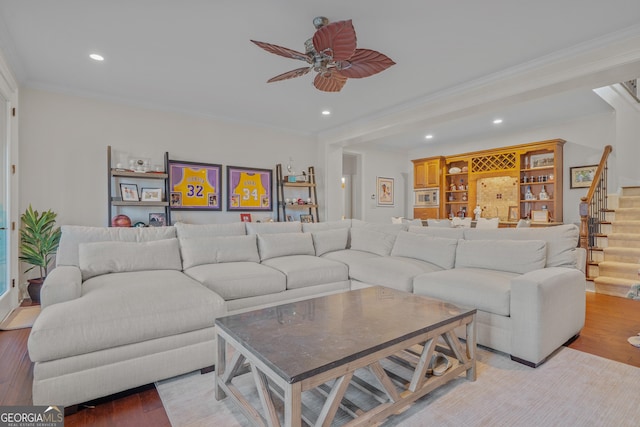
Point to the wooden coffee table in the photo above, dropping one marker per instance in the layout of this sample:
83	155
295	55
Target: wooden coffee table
327	343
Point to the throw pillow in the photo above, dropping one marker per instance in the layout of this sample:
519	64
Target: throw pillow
367	240
213	250
284	244
435	250
330	240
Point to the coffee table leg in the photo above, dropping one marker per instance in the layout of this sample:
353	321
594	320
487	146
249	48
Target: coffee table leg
471	348
220	367
293	405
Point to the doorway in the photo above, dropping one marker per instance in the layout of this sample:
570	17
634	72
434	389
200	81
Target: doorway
351	167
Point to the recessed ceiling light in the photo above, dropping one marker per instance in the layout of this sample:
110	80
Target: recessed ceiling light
326	112
497	121
96	57
429	136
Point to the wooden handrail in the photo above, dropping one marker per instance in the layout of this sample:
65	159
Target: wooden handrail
603	162
589	207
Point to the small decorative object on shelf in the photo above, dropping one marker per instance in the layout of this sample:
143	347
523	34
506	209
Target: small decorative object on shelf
157	219
465	197
477	212
543	194
528	195
245	217
306	218
121	221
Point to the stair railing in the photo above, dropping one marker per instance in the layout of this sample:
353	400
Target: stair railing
593	206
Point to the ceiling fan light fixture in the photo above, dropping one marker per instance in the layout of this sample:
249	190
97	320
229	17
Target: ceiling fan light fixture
332	53
326	112
96	57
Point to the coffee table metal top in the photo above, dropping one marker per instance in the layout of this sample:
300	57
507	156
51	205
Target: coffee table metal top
302	339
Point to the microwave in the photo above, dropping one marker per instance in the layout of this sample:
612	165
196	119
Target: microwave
426	198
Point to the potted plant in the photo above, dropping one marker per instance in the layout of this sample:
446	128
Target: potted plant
39	239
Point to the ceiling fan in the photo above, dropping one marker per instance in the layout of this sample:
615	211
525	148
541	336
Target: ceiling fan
332	53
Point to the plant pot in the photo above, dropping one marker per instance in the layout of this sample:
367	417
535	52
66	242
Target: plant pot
34	289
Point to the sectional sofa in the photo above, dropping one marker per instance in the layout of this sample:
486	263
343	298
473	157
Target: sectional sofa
126	307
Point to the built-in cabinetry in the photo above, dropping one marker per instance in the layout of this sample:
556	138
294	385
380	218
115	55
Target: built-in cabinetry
149	180
297	196
426	172
520	181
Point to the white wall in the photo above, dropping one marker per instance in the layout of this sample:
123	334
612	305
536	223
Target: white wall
586	138
64	139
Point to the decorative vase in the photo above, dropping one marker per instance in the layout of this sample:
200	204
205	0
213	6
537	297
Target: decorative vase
34	289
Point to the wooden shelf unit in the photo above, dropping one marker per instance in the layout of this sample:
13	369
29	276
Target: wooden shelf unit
286	187
114	198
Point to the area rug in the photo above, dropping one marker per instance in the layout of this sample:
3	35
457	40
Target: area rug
21	317
571	388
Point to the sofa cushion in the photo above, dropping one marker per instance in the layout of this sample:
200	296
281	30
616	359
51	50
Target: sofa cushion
309	227
308	270
503	255
369	240
349	256
283	244
487	290
188	231
445	232
123	308
211	250
118	257
562	241
330	240
73	235
392	272
435	250
384	228
233	280
273	227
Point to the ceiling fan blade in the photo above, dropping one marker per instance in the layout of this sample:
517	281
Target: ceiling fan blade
290	74
365	63
283	51
329	82
337	39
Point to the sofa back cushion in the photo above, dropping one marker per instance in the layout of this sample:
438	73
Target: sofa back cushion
435	250
445	232
188	231
330	240
370	240
309	227
214	250
74	235
385	228
562	241
273	227
514	256
99	258
283	244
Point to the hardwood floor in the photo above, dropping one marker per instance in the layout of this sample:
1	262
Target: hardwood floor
610	321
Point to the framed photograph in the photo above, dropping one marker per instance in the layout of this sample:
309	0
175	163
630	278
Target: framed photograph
513	213
176	199
289	218
582	176
151	194
129	192
540	216
249	189
385	191
157	219
195	186
541	160
306	218
245	217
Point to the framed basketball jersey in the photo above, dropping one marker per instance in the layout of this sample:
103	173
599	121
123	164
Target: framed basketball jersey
249	189
195	186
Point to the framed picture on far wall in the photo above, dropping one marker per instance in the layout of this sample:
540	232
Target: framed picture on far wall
306	218
582	176
245	217
385	191
249	189
157	220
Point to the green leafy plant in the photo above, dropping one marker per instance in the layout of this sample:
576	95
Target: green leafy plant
39	239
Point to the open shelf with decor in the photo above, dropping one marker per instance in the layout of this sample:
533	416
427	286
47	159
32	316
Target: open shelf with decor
297	196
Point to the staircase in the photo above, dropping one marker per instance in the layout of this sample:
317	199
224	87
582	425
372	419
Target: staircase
616	256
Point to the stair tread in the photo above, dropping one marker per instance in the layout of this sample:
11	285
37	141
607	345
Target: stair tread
625	236
614	280
620	264
615	249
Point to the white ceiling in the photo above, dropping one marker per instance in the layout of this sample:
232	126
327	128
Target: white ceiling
194	56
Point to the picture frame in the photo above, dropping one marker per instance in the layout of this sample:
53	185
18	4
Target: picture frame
151	194
289	218
157	219
249	189
195	186
306	218
540	216
245	217
129	192
385	191
582	176
513	213
543	160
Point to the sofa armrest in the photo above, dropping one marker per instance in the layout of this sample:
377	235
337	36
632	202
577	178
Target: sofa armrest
547	309
63	283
